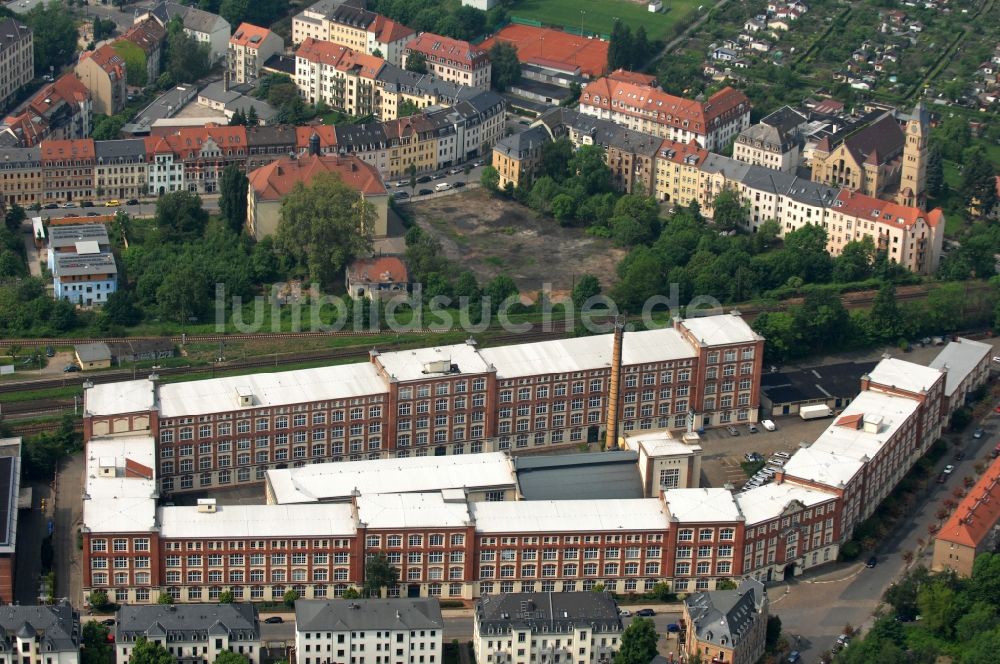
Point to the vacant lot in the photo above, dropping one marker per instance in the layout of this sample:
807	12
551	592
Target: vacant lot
493	236
599	15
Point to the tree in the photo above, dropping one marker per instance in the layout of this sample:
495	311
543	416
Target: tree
935	172
120	309
233	187
953	137
15	217
103	28
773	632
500	289
179	216
855	262
164	598
586	288
591	170
638	645
325	226
95	647
187	58
506	67
555	159
620	47
352	593
978	181
489	178
230	657
290	597
379	574
416	62
99	600
730	213
938	607
148	652
226	597
107	127
406	109
885	321
54	36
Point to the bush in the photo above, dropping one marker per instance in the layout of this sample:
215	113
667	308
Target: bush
850	551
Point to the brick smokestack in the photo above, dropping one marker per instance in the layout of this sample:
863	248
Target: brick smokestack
611	439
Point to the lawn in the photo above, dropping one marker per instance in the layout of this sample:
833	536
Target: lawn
599	15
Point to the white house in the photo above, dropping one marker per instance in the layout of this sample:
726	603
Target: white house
368	631
191	632
205	27
39	634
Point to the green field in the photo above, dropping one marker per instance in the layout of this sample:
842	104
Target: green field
600	14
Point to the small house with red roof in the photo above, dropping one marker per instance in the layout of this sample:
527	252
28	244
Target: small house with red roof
376	277
972	527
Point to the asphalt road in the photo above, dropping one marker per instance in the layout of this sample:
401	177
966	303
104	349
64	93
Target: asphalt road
144	209
402	185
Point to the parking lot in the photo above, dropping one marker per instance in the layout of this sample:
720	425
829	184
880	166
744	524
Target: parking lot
723	453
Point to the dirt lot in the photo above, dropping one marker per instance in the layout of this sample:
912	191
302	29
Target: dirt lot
492	236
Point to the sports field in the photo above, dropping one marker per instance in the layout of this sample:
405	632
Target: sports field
599	15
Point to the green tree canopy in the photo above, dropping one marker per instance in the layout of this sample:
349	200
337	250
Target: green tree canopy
187	59
379	574
233	188
638	645
325	226
416	62
230	657
96	649
587	287
148	652
506	67
54	35
179	216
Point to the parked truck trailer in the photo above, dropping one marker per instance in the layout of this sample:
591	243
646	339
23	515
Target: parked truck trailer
815	411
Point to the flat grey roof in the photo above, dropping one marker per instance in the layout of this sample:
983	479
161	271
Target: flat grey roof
72	265
601	475
68	236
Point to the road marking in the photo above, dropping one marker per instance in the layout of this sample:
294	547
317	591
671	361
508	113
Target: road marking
846	578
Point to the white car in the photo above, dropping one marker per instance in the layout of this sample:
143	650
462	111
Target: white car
624	613
949	469
768	424
782	455
776	462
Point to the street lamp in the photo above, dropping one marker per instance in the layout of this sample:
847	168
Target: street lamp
583	12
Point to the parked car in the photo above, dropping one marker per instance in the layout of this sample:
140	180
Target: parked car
949	469
872	562
995	410
455	171
624	613
673	628
51	206
274	620
70	368
132	201
768	424
109	622
645	613
978	433
774	461
50	351
477	164
753	457
942	478
424	192
93	214
457	184
69	204
423	179
114	202
71	215
732	431
794	656
752	427
86	203
400	194
437	176
783	455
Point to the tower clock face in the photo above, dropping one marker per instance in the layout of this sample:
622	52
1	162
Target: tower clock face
913	129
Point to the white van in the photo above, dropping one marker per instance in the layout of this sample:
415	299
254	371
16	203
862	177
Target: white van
443	186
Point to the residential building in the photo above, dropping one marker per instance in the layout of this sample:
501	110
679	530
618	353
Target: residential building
775	142
164	168
516	156
68	169
350	24
727	625
368	630
377	277
84	279
249	48
271	183
219	96
972	527
120	169
192	632
387	39
367	142
338	76
639	106
203	153
102	72
206	28
74	238
61	109
413	142
678	167
518	628
966	364
21	180
149	36
397	86
39	634
17	58
10	486
452	59
270	142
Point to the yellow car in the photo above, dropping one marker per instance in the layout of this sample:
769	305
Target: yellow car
114	203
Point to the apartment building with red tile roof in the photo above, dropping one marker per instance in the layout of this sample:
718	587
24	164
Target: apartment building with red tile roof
389	38
249	48
317	63
102	72
202	152
972	527
271	183
61	109
148	35
624	99
68	169
452	59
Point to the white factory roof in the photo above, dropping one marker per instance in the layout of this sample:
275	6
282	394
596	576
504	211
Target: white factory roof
405	365
412	510
659	443
586	353
129	396
904	375
120	504
701	505
840	451
329	520
541	516
721	330
960	358
336	481
770	500
215	395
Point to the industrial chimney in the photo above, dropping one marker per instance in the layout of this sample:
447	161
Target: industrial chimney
611	439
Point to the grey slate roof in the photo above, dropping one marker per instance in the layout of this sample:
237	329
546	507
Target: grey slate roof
364	614
12	32
579	476
20	157
554	612
233	100
727	166
188	622
97	351
270	135
129	151
724	617
59	626
194	19
516	145
397	79
360	137
609	134
798	189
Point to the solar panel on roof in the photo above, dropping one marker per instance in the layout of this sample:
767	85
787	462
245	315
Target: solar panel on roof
6	481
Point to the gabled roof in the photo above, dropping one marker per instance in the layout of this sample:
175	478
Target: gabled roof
57	627
445	48
378	270
725	617
547	612
341	615
189	622
12	31
249	35
58	150
147	34
277	179
388	31
108	59
978	513
885	212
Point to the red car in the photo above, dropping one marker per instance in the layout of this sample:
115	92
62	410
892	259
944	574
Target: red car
997	409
